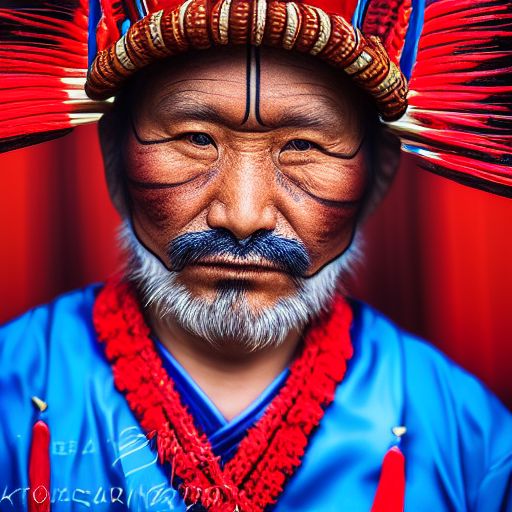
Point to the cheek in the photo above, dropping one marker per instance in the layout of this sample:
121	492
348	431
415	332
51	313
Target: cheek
144	163
327	233
327	229
156	219
160	214
163	209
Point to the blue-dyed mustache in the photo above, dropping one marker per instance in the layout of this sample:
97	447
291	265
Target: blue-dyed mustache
288	255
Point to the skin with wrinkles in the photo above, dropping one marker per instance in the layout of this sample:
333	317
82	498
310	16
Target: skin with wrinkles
245	140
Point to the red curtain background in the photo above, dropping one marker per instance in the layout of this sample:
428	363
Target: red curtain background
438	254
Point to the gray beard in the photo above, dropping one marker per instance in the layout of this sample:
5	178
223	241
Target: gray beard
229	317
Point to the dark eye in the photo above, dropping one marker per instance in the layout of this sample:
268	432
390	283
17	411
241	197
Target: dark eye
298	145
200	139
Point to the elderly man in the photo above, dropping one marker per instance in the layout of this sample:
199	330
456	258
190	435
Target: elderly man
224	369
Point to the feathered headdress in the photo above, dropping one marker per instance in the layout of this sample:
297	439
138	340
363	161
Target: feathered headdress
438	70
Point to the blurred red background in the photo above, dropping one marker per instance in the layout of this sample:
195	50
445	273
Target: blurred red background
438	254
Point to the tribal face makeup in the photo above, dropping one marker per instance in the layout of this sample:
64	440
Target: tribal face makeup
245	169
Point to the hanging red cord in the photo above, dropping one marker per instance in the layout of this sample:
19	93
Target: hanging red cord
391	489
39	464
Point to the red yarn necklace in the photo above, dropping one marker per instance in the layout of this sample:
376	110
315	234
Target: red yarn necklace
272	448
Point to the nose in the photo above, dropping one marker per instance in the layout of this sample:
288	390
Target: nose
244	202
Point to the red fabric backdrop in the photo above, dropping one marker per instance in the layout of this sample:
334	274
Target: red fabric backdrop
438	254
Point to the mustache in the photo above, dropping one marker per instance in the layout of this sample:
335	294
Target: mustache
287	254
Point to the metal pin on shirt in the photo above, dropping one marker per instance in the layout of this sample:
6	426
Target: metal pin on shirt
399	431
40	404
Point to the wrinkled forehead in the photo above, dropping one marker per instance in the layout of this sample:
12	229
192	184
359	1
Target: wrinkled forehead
252	86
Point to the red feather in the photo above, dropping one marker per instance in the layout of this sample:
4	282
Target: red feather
43	63
459	120
389	20
108	30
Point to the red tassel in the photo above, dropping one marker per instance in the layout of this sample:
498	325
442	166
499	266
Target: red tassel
39	468
391	490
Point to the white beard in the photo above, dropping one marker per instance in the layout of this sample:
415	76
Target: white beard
229	317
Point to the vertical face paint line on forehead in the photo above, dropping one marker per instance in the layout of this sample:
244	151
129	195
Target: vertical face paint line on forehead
248	75
257	86
253	80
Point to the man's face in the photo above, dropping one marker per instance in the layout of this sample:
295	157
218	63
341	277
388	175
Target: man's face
254	152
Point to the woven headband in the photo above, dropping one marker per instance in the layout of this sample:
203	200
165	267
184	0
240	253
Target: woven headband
287	25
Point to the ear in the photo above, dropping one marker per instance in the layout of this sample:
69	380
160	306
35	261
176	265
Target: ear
111	135
387	159
384	161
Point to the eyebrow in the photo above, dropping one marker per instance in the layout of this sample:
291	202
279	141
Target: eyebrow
303	119
188	108
320	115
194	111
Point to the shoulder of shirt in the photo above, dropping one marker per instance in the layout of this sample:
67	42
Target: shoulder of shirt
438	390
31	332
380	334
66	303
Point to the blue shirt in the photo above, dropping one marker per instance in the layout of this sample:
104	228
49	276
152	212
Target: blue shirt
458	446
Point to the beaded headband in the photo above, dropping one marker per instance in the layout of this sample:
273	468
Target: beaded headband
438	70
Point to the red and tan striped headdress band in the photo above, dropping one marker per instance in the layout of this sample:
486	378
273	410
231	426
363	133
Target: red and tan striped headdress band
193	25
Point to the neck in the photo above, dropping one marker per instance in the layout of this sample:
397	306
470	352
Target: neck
231	376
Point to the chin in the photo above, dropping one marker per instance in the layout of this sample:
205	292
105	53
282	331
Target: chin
255	313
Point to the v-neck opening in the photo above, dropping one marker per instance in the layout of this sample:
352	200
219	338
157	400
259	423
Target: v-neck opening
224	435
